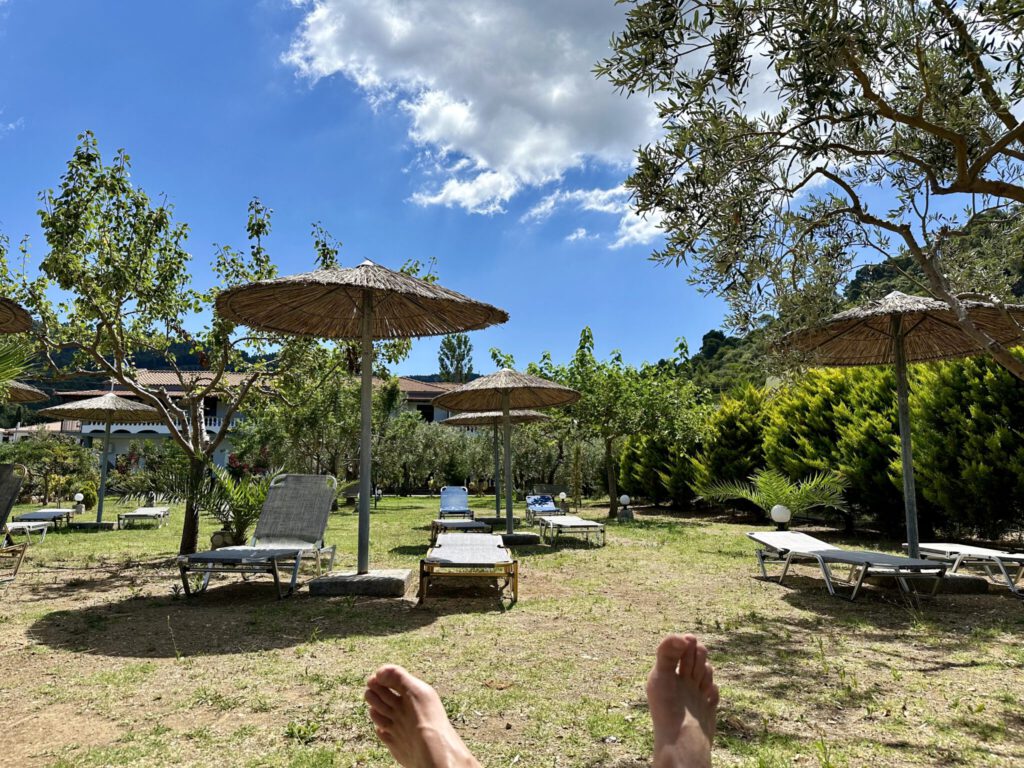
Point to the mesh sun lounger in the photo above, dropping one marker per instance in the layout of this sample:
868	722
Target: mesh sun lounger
11	554
55	516
160	514
787	547
455	502
438	527
470	556
541	505
999	565
551	527
27	528
291	527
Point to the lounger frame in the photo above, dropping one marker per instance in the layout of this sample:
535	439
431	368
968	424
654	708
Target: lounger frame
159	514
557	525
505	572
439	526
10	561
1001	568
261	561
532	513
904	575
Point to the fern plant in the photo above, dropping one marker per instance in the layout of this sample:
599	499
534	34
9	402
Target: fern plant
768	487
13	363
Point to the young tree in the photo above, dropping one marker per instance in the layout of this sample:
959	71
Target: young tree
802	135
120	260
455	358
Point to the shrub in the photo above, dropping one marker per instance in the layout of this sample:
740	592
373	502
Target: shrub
90	498
734	445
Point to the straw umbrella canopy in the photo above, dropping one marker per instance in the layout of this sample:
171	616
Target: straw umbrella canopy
900	329
105	409
507	390
495	419
13	319
366	302
24	393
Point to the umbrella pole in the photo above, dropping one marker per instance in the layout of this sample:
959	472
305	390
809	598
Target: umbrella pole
366	415
505	398
103	474
497	476
906	454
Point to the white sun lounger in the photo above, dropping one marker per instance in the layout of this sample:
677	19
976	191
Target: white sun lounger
455	502
160	514
28	527
55	516
470	555
551	527
787	547
1010	565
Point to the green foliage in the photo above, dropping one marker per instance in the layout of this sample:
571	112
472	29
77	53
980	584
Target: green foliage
237	501
678	475
784	120
726	362
768	487
968	427
58	466
90	496
455	358
733	446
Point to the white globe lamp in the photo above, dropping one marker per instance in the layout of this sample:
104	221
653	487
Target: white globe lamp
781	515
624	500
79	506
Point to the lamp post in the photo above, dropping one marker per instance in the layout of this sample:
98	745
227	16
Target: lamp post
79	506
781	515
625	513
561	502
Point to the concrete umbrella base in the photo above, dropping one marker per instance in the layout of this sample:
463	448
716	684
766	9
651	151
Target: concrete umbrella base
382	583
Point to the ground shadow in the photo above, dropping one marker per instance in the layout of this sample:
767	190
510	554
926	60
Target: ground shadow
238	617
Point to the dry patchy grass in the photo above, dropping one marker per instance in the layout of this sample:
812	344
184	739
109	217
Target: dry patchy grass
104	665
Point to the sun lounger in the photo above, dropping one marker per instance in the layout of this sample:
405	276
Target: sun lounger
28	528
999	565
438	527
55	516
455	502
541	505
553	526
787	547
11	554
291	526
159	514
470	556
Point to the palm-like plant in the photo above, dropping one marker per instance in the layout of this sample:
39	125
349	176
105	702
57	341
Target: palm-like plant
238	501
13	363
768	487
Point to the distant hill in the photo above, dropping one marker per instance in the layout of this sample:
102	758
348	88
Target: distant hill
434	378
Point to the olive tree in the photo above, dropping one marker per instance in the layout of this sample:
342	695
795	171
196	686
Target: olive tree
802	136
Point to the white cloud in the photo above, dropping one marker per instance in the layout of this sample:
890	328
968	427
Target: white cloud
500	95
580	233
9	126
631	230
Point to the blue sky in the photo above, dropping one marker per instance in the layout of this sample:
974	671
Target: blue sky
410	129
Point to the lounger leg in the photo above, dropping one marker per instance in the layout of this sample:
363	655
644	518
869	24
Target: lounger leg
860	580
1010	582
515	582
277	577
785	567
825	572
330	563
295	572
183	570
422	596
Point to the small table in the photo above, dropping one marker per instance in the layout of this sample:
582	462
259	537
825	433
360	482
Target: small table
55	516
160	514
553	527
28	527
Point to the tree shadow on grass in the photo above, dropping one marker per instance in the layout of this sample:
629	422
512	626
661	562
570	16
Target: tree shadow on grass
236	617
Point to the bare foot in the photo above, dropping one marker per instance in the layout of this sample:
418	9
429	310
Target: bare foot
683	699
411	721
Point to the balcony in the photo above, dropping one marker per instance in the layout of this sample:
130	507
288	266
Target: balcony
213	424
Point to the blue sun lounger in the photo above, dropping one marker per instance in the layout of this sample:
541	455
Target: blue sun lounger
455	502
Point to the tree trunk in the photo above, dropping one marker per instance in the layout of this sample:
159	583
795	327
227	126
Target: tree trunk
613	490
190	530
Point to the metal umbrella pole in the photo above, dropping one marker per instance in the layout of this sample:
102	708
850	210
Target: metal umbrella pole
103	473
497	476
505	398
365	445
906	450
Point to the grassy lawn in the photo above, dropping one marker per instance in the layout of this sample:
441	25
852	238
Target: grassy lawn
105	665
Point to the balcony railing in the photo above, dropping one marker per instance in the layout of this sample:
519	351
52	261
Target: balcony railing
213	423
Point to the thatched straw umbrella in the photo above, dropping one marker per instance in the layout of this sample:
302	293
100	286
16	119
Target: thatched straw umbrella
494	419
23	393
367	302
107	409
13	319
898	329
506	390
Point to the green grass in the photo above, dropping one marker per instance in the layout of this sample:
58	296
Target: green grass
119	670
